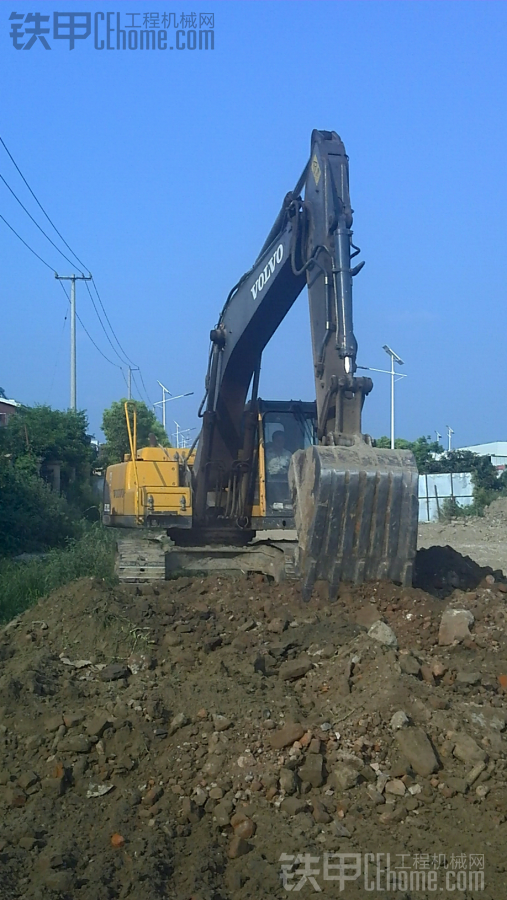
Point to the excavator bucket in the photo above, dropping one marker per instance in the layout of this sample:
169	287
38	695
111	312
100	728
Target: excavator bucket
356	512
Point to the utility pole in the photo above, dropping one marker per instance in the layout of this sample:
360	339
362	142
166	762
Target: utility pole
450	433
73	367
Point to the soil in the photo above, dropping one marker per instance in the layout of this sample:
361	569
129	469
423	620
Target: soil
174	741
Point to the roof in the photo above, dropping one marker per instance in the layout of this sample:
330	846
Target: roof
494	448
9	402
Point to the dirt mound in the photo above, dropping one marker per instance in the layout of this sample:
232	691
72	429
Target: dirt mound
176	741
440	570
497	510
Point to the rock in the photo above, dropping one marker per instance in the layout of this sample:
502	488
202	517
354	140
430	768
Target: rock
27	780
399	720
367	616
179	721
221	723
396	787
78	743
153	795
319	813
53	723
467	750
438	669
312	770
468	678
222	813
98	725
409	665
427	674
288	783
290	732
190	811
454	626
416	747
244	829
343	777
295	668
458	785
482	791
278	626
292	806
213	765
374	795
489	717
72	720
340	830
383	633
238	847
113	672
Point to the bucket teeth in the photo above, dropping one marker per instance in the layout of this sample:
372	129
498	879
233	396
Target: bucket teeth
356	514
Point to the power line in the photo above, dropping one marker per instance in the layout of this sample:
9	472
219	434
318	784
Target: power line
144	386
83	326
104	327
25	243
40	204
59	251
23	207
125	355
109	323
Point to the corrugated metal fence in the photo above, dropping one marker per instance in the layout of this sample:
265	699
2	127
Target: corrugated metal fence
434	489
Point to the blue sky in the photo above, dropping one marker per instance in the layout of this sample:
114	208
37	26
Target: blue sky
164	172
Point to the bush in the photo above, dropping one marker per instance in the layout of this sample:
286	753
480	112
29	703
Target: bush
32	518
22	583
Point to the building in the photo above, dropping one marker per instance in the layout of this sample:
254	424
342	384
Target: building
7	408
496	450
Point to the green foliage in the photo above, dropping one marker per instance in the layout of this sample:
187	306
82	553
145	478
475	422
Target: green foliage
38	435
422	448
22	583
32	517
114	426
487	484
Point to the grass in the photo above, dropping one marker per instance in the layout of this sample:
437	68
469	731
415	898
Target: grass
23	583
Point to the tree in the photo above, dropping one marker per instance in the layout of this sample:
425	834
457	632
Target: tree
114	426
38	435
423	449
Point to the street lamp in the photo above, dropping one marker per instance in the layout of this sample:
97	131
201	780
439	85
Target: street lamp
165	400
394	358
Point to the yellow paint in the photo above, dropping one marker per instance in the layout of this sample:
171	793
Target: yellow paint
316	169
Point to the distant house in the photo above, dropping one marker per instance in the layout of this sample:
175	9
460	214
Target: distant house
7	409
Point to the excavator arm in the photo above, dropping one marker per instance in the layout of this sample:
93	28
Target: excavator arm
355	507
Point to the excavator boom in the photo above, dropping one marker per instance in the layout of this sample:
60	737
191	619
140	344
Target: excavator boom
355	507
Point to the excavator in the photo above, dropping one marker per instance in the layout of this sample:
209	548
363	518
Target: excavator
294	489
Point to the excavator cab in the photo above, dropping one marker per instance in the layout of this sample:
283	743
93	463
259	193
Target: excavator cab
283	428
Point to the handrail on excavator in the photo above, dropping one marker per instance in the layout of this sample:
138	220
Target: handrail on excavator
133	456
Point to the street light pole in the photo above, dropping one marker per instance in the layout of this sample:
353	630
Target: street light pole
394	358
163	402
450	433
